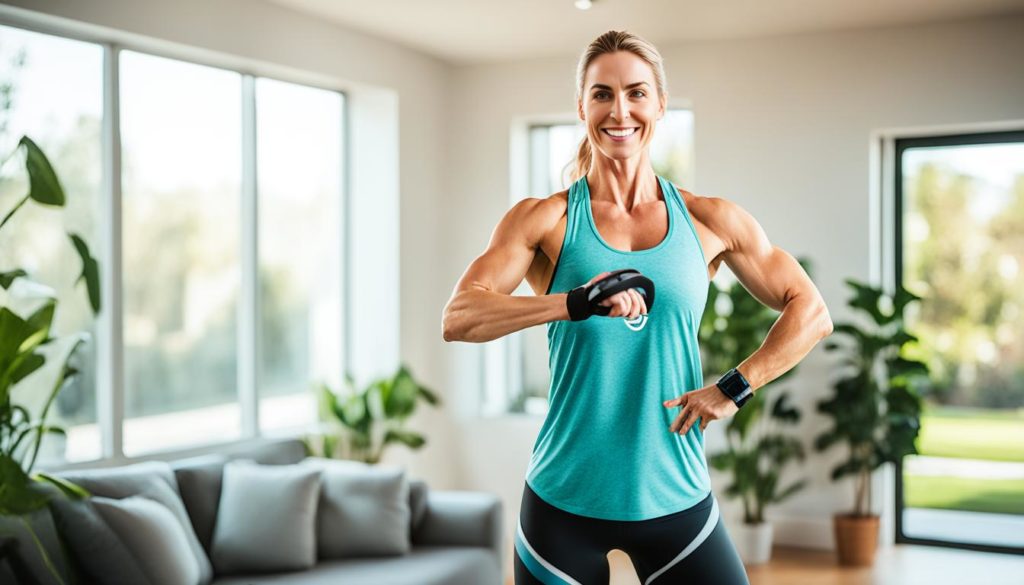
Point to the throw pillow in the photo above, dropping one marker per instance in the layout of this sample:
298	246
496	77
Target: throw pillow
266	518
154	536
102	555
364	509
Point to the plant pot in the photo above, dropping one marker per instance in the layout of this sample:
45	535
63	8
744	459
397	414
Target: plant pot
754	542
856	539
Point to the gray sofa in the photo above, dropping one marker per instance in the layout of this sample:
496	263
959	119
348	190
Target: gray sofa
456	536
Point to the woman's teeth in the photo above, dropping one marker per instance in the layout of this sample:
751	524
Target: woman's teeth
620	133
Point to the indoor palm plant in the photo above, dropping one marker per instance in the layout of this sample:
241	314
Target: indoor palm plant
874	407
757	450
27	338
363	423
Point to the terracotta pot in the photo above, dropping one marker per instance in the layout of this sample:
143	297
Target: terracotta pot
856	539
753	542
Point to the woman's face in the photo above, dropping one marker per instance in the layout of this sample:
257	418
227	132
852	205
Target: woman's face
620	97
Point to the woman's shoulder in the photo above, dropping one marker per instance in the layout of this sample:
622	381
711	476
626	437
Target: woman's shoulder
547	209
540	215
701	207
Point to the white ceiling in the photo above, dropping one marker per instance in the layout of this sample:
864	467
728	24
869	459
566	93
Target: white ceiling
478	31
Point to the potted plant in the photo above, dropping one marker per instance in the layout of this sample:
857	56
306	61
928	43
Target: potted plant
27	339
368	421
757	451
874	408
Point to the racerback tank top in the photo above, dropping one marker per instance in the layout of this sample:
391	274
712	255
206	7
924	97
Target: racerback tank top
605	449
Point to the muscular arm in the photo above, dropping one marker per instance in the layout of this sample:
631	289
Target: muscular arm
777	280
482	307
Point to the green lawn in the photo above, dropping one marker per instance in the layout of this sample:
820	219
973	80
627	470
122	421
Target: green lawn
994	435
1003	496
968	433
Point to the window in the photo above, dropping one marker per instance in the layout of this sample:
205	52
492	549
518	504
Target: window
181	136
960	245
552	152
299	183
231	250
66	125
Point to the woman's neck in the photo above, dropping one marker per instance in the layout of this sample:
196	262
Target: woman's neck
625	183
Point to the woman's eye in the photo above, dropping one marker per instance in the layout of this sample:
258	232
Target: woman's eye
603	94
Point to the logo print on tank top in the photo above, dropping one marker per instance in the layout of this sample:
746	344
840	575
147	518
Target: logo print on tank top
636	324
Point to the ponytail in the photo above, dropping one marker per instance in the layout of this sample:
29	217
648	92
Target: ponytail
582	162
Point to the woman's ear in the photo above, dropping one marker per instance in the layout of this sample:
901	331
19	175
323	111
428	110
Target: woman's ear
579	111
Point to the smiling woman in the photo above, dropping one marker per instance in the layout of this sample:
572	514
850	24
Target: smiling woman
619	460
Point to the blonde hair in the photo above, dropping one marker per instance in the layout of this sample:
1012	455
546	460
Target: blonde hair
611	42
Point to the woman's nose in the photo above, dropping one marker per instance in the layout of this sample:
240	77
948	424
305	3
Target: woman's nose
621	109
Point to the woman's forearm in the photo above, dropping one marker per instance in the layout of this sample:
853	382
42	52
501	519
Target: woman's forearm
800	327
479	315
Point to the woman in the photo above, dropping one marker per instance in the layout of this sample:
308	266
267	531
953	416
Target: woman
614	466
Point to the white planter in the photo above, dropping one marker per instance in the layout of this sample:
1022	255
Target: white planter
754	542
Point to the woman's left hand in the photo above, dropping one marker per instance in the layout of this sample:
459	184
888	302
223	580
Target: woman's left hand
708	404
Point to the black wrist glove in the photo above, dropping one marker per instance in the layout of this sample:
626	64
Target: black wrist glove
583	300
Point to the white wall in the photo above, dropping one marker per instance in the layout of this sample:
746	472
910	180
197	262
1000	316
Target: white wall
782	127
397	100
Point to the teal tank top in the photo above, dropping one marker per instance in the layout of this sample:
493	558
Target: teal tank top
605	449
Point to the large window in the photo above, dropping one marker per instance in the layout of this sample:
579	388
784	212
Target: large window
552	151
960	245
230	224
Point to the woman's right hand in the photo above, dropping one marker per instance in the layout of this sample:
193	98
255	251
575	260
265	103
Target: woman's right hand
628	303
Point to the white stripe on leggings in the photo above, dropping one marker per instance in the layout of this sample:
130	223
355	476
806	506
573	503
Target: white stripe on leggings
697	540
558	573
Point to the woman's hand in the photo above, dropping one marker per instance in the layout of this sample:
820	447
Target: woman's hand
628	303
709	403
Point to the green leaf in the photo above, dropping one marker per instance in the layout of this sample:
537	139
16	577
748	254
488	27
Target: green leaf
30	364
429	395
44	187
6	278
90	272
71	490
331	443
17	497
408	438
401	399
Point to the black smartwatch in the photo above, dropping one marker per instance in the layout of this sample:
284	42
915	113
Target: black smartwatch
735	386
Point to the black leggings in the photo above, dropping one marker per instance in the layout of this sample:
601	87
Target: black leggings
689	547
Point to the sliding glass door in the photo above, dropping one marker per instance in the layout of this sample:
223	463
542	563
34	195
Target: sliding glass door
960	245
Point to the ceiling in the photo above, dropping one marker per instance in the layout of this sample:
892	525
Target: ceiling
480	31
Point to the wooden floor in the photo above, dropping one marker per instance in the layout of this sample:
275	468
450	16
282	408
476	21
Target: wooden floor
899	565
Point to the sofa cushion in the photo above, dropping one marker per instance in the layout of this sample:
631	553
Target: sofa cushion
422	566
266	519
102	555
417	502
154	536
199	480
154	480
364	509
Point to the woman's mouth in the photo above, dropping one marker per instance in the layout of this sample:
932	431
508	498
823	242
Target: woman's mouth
619	135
